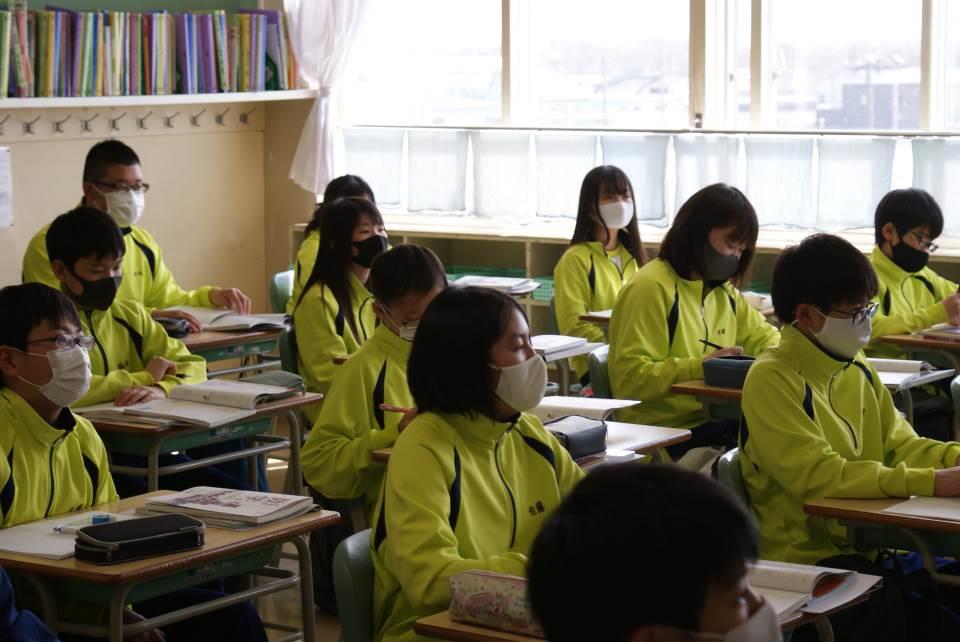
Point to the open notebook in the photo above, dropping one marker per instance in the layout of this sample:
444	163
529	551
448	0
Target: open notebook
593	407
52	538
548	344
812	589
505	284
932	507
227	320
942	331
901	374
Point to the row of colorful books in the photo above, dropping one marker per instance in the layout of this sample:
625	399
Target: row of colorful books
58	52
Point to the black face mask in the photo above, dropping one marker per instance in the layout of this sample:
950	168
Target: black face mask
909	259
97	295
369	249
719	267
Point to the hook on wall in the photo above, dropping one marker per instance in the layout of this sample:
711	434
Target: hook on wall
219	117
245	116
28	126
142	120
85	123
2	123
115	122
168	120
195	118
58	124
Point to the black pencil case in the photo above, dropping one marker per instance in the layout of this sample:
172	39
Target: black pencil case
581	436
138	538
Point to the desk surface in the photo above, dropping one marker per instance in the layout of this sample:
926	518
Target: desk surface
917	341
870	511
442	627
699	388
268	409
575	351
219	543
208	340
600	317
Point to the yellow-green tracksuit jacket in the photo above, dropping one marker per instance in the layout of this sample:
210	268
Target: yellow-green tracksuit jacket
337	456
47	470
306	258
146	278
461	493
323	332
126	339
908	302
655	340
817	427
587	280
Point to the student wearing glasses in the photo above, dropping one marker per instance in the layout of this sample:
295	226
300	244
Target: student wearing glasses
113	183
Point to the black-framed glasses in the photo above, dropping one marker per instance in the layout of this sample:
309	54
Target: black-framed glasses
138	188
64	341
861	314
924	241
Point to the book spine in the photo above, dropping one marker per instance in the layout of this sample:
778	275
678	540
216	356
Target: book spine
233	48
244	53
6	19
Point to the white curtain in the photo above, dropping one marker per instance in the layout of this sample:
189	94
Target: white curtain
322	32
704	159
562	162
438	170
780	180
854	175
376	155
643	158
936	168
501	167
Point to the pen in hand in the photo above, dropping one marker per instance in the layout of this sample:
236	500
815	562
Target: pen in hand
711	344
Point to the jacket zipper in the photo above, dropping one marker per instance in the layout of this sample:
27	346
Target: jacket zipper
93	332
53	448
513	502
853	435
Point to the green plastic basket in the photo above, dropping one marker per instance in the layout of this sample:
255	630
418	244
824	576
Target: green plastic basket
545	291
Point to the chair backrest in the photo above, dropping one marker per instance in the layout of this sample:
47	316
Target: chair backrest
730	475
281	289
599	377
353	586
287	345
554	324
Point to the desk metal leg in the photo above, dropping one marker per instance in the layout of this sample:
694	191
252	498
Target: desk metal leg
824	629
296	441
153	466
306	589
118	603
563	368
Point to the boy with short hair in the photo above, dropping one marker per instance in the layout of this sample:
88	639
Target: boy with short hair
687	587
113	183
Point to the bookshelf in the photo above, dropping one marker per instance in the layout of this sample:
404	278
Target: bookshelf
91	102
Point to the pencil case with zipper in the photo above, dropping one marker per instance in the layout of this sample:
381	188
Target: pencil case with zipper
727	372
581	436
134	539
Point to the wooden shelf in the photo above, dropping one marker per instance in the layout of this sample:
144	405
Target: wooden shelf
169	99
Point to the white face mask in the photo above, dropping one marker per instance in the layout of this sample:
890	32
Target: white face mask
405	331
521	386
617	214
842	337
71	375
762	626
125	208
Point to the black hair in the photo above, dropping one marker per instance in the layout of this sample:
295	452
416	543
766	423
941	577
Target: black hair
405	268
341	186
27	306
906	209
824	270
334	255
104	154
84	232
588	211
715	206
612	514
466	322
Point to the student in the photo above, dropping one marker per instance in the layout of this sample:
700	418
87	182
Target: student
53	462
368	404
334	314
671	316
818	422
113	183
689	588
473	477
604	253
133	360
911	295
346	185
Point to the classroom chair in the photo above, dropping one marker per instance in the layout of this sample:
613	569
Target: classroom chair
554	325
599	375
353	585
730	475
281	289
287	345
955	395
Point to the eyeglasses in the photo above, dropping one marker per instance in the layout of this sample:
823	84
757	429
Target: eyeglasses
861	314
65	341
139	188
924	241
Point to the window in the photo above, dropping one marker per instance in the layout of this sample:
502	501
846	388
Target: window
952	66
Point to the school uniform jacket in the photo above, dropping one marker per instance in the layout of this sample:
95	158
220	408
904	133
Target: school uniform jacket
337	456
815	426
461	493
47	470
306	258
146	278
907	302
655	340
126	339
323	332
587	280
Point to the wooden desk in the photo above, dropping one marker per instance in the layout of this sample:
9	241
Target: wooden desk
219	346
153	441
913	343
224	553
700	389
601	317
562	359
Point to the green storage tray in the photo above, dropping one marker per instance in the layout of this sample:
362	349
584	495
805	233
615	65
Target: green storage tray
545	291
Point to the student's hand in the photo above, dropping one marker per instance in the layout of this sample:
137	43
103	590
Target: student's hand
160	368
952	306
230	298
153	635
946	482
734	351
192	321
139	394
409	414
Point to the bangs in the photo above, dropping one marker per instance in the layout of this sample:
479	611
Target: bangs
616	182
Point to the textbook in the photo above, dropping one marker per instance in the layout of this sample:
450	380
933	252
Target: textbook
505	284
594	408
235	394
226	505
166	411
812	589
227	320
902	374
932	507
946	331
548	344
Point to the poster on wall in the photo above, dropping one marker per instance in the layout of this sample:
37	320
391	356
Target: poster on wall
6	189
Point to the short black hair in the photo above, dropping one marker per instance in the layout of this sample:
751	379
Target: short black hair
906	209
642	528
104	154
824	270
405	268
83	232
27	306
340	187
715	206
449	368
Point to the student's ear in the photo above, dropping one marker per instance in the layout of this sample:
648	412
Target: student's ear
59	269
7	365
808	317
889	233
92	197
378	310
